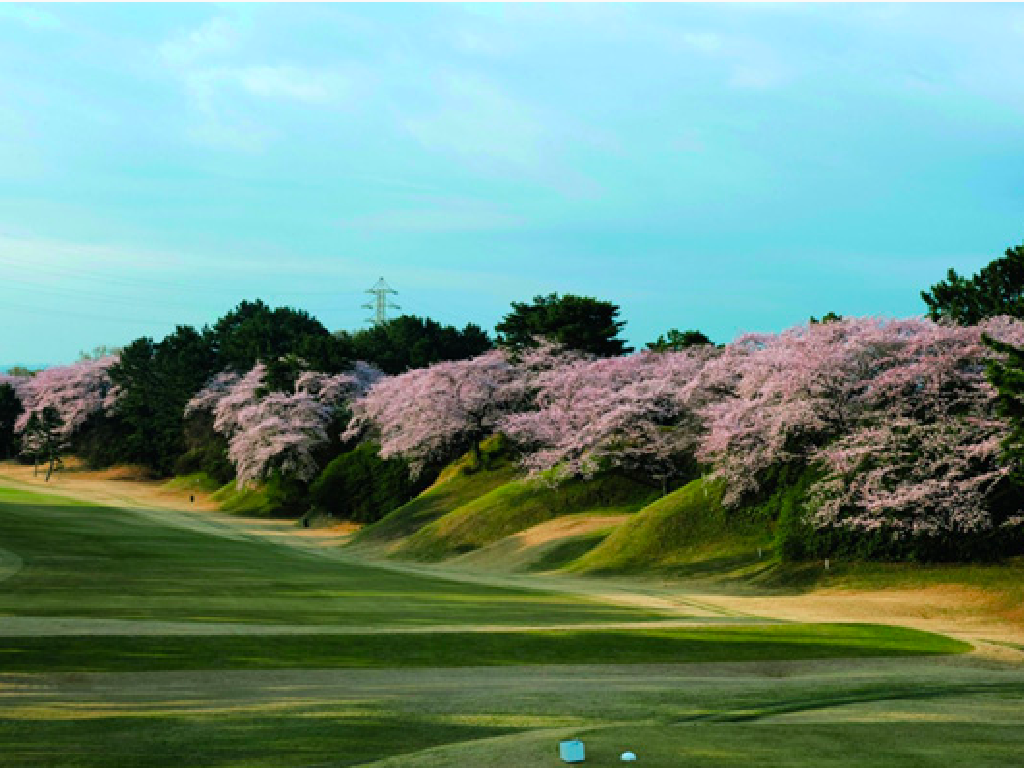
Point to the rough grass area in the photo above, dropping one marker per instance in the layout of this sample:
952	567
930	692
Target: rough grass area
686	533
255	502
781	642
92	561
518	505
197	481
460	483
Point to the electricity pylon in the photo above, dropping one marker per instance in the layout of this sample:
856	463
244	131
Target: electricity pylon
381	303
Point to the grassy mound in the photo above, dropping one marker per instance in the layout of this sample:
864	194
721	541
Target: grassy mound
543	547
196	481
518	505
686	532
461	482
244	501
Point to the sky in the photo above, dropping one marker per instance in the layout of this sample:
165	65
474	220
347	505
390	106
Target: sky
728	167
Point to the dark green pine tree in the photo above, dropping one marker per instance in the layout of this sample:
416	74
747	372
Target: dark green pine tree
578	322
1007	375
10	410
997	289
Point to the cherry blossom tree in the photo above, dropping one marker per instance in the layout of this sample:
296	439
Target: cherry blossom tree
898	413
926	459
278	431
75	392
635	413
787	395
430	414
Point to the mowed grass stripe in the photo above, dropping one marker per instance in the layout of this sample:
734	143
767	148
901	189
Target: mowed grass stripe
100	562
669	646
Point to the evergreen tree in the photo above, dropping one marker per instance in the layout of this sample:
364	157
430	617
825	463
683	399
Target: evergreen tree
1007	375
578	322
10	409
676	341
998	289
43	439
409	342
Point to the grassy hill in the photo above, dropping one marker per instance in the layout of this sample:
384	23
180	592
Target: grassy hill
518	505
686	532
544	547
460	483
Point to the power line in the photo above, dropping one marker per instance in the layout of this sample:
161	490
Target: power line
381	303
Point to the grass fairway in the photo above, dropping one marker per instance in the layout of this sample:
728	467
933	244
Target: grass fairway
156	645
780	642
89	561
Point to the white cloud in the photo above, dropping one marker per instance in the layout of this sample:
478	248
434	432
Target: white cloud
705	42
32	17
205	62
292	83
216	36
477	120
756	77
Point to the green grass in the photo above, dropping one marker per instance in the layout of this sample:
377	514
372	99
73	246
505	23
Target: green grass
197	481
289	735
92	561
899	745
254	502
518	505
906	713
458	484
686	532
773	642
795	695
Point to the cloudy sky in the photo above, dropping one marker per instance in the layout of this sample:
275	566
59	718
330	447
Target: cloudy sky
722	167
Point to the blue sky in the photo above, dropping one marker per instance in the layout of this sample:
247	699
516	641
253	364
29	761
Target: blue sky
724	167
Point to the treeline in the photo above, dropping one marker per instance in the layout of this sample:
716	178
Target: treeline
873	438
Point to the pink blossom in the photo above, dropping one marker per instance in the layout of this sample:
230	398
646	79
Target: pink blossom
278	431
634	412
76	391
426	414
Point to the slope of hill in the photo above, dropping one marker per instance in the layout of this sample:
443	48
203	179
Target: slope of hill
458	484
543	547
686	532
518	505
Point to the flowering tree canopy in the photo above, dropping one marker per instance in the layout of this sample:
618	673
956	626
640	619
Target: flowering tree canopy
428	414
898	413
76	392
630	412
280	431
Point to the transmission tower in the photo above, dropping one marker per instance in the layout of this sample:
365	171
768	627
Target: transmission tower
381	303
